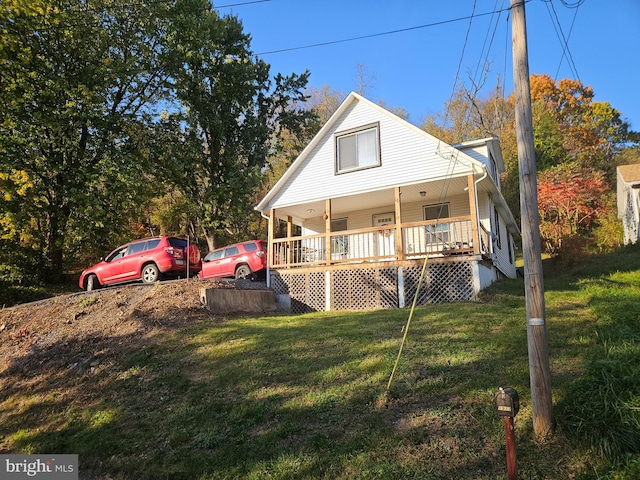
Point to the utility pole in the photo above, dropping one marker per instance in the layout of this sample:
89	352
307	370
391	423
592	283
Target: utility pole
539	372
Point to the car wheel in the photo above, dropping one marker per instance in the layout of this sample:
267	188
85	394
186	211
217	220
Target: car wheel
243	271
150	273
92	283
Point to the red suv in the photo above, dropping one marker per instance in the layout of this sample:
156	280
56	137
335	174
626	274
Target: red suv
148	260
240	260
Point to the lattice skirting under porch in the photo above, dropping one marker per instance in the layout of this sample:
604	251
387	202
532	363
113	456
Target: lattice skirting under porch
363	287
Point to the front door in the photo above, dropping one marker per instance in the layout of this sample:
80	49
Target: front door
384	240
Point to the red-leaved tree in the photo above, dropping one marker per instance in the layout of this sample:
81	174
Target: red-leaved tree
570	200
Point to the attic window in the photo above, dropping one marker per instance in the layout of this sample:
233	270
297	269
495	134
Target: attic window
357	149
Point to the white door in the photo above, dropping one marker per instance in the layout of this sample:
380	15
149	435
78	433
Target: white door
384	241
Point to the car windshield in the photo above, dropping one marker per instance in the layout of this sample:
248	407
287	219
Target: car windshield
117	253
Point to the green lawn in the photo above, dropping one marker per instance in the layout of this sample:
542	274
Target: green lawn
291	397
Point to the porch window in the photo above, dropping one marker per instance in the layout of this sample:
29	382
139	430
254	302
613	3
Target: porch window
358	149
439	233
339	243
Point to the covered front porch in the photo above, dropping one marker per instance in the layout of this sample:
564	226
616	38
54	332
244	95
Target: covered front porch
318	233
367	251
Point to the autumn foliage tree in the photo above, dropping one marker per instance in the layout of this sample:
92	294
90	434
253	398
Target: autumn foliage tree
570	126
578	143
570	202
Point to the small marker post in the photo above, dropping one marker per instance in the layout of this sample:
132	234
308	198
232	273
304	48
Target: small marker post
507	405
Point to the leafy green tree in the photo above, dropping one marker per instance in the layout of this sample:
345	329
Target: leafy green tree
77	83
234	115
547	138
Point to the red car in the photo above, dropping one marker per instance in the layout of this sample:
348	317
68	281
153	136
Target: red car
148	259
240	260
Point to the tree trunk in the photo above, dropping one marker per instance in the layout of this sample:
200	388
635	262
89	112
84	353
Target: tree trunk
212	238
55	244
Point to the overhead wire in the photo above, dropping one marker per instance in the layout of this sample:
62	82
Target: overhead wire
565	48
555	21
577	4
488	50
454	160
506	55
565	44
464	47
378	34
239	4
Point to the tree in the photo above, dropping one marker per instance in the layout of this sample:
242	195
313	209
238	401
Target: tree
570	201
76	85
234	115
467	115
571	130
572	127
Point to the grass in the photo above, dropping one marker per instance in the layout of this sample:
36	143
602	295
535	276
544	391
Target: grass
291	397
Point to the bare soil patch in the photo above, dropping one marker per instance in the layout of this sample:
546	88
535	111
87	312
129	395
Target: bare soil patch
79	331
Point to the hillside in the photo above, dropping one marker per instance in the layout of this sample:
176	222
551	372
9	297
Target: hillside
84	331
143	382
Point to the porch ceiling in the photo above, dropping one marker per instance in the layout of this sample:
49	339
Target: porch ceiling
434	192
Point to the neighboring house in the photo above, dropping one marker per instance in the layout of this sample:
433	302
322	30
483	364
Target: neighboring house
628	196
353	218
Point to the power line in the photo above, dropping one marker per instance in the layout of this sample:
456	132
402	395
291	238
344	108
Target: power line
561	37
577	4
506	55
380	34
457	77
564	50
239	4
485	63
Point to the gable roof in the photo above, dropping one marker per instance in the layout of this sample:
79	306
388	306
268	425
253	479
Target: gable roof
352	99
630	173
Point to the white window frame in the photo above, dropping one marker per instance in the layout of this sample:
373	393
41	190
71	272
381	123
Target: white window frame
439	233
375	127
339	244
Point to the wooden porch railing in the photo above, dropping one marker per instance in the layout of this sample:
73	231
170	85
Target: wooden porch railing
431	237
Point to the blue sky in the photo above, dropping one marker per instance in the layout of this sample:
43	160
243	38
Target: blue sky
416	68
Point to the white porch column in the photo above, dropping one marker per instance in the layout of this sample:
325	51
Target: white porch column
474	214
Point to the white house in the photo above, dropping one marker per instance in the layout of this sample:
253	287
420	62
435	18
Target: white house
353	219
628	198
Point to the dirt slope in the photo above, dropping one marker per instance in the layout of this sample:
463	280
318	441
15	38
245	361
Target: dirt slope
79	331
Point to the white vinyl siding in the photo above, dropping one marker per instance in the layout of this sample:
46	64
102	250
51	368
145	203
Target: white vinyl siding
493	221
407	155
483	154
355	150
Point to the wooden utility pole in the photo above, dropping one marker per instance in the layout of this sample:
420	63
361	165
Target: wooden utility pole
539	372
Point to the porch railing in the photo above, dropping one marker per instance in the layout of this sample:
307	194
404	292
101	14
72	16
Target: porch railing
431	237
